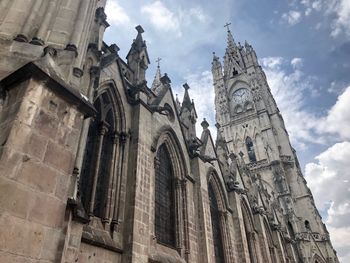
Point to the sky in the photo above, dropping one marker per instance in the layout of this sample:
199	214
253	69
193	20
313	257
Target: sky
304	48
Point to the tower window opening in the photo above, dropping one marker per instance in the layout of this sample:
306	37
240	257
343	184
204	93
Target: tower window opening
250	149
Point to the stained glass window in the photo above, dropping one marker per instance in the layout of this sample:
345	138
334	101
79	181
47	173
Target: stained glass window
215	224
164	198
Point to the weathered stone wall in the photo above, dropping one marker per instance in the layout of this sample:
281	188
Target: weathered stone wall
36	165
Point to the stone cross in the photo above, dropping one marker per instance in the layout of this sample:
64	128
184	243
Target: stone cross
158	61
227	26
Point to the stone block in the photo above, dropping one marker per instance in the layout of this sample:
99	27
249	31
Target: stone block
21	237
10	162
46	124
47	211
59	157
62	187
53	241
14	198
38	176
36	146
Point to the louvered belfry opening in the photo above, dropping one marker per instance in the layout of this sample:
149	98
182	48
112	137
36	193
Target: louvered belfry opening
215	224
164	199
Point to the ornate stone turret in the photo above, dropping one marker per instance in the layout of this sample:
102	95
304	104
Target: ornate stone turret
137	58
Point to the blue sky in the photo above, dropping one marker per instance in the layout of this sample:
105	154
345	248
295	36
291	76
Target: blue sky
304	48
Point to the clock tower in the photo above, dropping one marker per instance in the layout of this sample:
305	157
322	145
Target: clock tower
253	129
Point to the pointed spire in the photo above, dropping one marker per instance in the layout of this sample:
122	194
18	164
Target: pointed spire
230	41
137	57
178	104
205	124
216	62
186	102
156	82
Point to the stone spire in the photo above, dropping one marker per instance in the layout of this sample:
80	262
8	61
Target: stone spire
157	84
233	61
137	58
186	102
216	68
188	114
230	40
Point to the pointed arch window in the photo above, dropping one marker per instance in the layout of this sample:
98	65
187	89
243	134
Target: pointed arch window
164	198
250	149
215	224
100	150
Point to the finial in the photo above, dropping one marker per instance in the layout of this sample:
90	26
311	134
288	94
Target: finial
186	87
139	29
227	26
205	124
158	62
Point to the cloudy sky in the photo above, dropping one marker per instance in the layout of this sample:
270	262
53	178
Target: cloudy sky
304	47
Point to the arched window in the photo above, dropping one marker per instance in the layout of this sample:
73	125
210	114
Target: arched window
164	198
215	225
97	163
250	149
249	233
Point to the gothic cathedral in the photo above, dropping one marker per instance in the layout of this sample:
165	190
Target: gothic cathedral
98	166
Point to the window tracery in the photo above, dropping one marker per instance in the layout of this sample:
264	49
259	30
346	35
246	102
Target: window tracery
104	144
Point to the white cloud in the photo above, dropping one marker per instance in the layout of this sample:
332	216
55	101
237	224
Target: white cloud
289	90
341	23
297	63
338	118
165	19
161	17
328	180
292	17
338	10
116	14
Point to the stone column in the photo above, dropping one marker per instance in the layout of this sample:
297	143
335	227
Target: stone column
28	23
185	219
103	130
111	176
119	176
179	217
41	35
79	26
3	8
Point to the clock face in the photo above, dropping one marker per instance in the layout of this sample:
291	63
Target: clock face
240	95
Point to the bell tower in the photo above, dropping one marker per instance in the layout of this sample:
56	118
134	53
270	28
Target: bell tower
252	126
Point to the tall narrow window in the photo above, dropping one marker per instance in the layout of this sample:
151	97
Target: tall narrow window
250	149
215	225
164	198
98	156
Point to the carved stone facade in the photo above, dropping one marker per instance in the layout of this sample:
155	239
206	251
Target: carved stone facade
91	157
